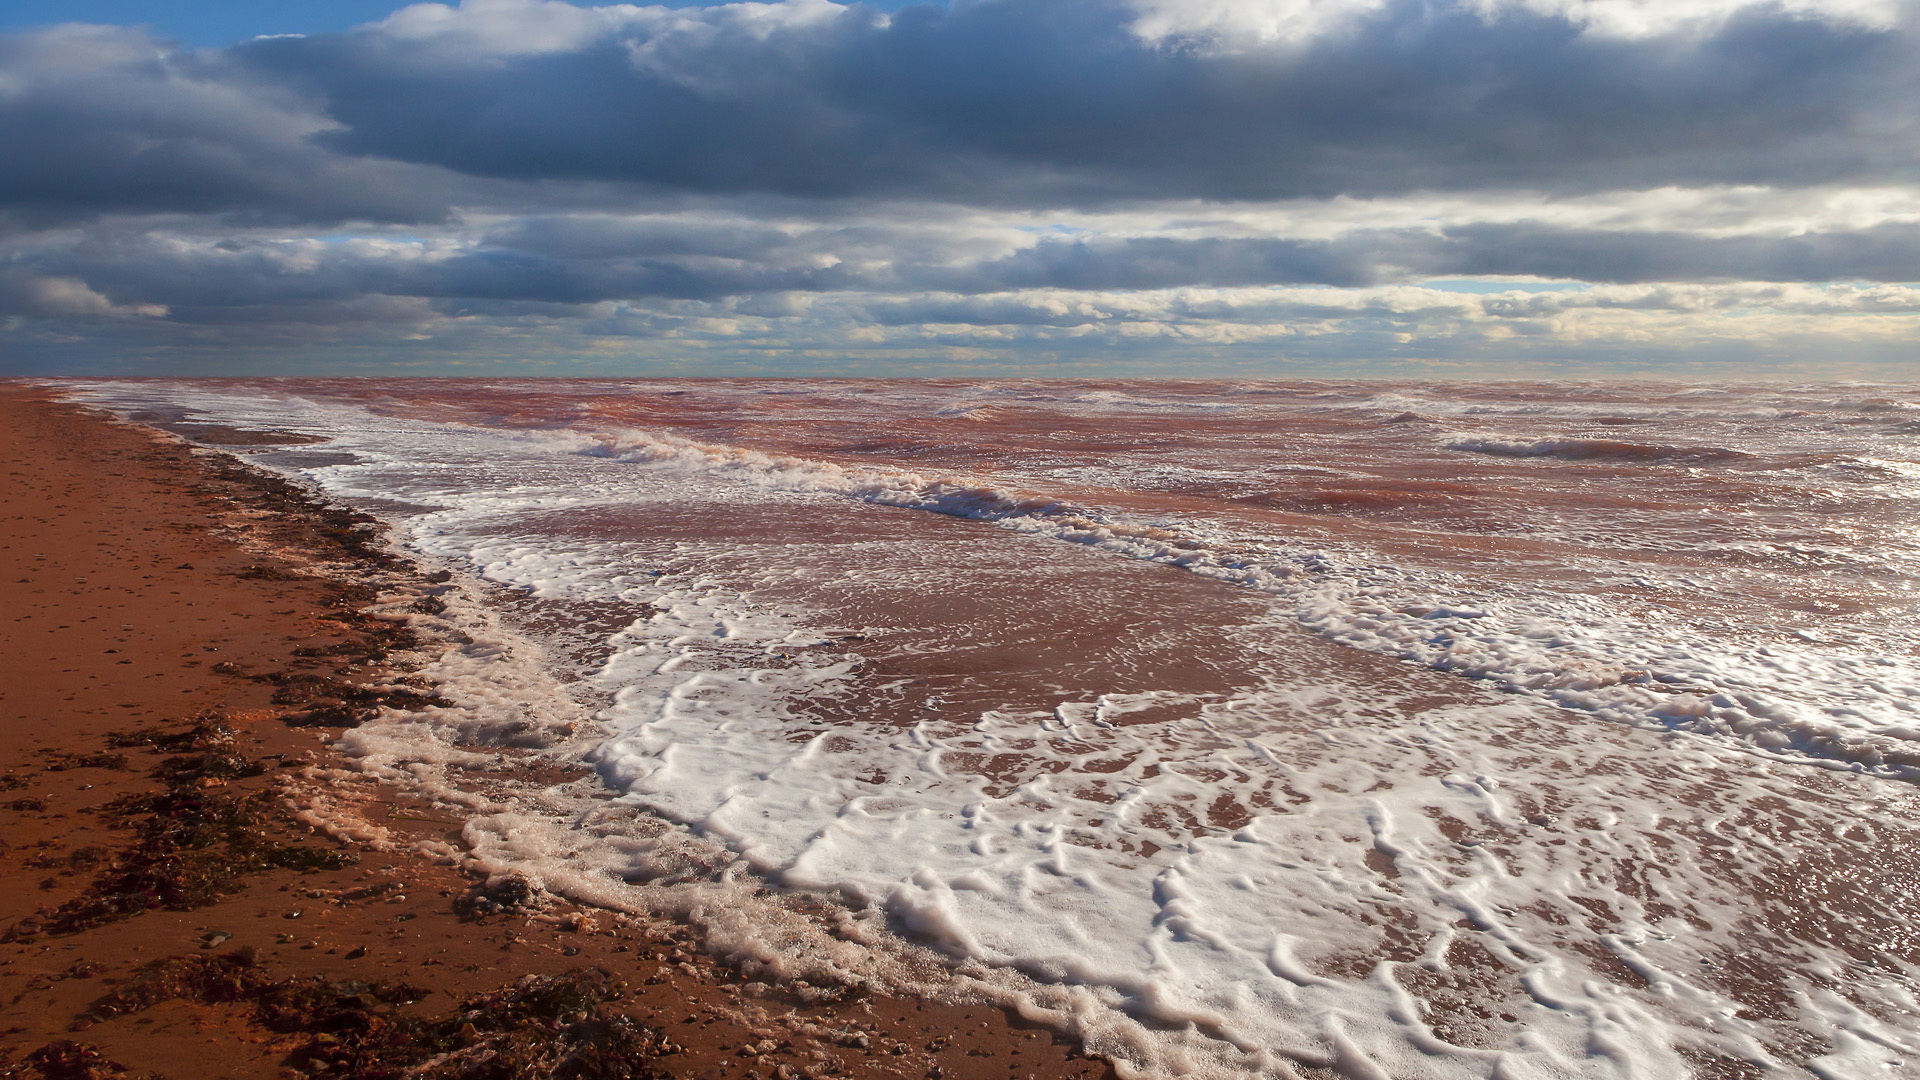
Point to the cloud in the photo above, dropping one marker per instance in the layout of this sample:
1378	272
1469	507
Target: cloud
63	297
1884	252
1402	306
561	261
994	103
1241	24
1887	252
1009	103
103	120
1161	262
1033	172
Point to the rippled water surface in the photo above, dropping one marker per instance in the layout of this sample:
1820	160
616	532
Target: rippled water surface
1375	730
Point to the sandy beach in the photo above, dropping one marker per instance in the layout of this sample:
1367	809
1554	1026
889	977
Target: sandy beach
174	673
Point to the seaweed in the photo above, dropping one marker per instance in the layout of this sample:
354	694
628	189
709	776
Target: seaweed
194	843
207	733
61	762
332	714
177	771
561	1026
64	1059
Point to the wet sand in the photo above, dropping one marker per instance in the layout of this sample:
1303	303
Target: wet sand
174	670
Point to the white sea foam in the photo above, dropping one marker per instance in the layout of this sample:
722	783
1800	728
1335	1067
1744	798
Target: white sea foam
1108	400
1849	709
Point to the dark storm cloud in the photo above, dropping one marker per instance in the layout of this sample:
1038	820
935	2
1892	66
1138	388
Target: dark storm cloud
1043	103
503	275
101	120
995	103
186	278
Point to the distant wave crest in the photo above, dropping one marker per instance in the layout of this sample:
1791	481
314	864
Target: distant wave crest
1577	449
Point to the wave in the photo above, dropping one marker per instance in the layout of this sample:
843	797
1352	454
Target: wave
1571	652
1116	400
1876	405
1585	449
1888	468
1856	706
971	412
954	496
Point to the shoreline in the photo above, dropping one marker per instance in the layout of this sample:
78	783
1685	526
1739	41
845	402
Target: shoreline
175	659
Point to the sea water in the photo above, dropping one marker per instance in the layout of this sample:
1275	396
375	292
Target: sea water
1372	729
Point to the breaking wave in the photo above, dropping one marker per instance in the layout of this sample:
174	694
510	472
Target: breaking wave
1844	709
1584	449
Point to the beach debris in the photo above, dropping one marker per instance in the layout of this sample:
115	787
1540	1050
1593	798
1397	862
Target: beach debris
195	842
213	939
369	892
332	702
207	733
62	762
333	714
576	922
563	1026
207	770
498	895
65	1059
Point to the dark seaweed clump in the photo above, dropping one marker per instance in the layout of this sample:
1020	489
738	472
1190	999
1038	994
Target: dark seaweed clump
355	534
561	1026
207	734
196	838
332	702
64	1060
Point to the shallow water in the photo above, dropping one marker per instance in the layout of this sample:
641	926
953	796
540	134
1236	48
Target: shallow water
1390	729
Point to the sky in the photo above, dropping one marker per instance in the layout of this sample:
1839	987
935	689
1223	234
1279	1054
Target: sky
1693	189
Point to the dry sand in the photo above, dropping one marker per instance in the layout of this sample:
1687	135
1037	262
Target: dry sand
168	671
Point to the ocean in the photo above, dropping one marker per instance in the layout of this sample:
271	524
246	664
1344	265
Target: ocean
1369	729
